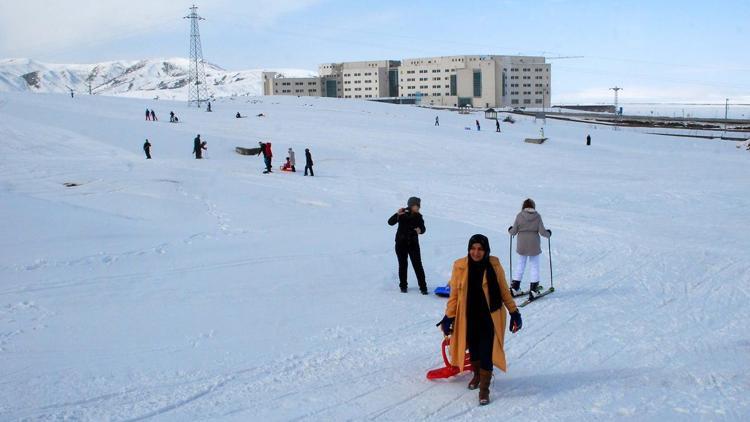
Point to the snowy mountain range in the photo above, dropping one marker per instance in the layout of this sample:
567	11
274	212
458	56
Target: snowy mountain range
150	78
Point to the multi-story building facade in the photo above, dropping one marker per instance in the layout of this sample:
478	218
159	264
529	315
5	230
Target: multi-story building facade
275	84
373	79
478	81
473	80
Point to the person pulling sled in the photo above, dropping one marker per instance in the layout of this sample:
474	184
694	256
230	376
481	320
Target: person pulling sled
475	315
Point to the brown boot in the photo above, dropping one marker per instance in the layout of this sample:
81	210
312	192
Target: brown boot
485	377
474	383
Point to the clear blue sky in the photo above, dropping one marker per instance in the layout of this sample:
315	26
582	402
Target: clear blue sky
656	50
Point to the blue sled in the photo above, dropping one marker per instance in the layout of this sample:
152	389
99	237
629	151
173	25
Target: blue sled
443	291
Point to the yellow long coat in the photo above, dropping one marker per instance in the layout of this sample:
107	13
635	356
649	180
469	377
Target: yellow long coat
456	308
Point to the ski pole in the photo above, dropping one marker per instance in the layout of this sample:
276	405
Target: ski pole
510	256
549	251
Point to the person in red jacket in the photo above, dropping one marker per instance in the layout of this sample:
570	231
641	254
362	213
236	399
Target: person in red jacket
267	156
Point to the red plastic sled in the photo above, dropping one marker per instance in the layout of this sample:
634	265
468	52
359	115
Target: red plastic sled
449	370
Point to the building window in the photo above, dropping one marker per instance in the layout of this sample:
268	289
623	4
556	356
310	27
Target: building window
477	83
453	85
514	101
527	101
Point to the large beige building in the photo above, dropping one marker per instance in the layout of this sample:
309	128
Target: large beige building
276	84
478	81
456	81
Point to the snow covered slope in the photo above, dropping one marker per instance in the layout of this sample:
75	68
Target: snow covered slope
163	78
178	289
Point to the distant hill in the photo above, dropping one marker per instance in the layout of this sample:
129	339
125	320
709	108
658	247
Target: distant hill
163	78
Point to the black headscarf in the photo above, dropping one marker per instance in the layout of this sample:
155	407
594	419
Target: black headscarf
492	280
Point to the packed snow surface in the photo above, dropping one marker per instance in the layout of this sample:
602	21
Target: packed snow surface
182	289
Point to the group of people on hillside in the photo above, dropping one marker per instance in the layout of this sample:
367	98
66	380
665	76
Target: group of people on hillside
476	122
291	162
151	115
475	315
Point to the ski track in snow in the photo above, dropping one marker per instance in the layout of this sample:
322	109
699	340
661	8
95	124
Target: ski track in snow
177	289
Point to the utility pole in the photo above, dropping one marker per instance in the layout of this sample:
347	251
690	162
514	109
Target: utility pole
197	89
616	89
726	113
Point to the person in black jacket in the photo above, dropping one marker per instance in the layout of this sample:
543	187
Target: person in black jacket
197	147
308	162
410	226
147	149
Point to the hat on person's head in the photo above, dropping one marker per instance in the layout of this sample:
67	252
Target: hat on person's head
414	201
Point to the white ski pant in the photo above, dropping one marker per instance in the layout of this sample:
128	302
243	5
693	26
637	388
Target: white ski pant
533	262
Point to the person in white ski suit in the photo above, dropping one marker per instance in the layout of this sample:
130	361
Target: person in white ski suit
528	226
292	161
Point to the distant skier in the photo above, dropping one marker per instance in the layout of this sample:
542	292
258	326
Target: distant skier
410	226
71	94
148	114
209	107
153	115
203	147
308	162
437	121
171	117
292	160
478	127
197	147
528	226
238	116
588	140
475	314
497	125
541	132
147	149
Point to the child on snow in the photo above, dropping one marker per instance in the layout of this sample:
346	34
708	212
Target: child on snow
287	166
528	226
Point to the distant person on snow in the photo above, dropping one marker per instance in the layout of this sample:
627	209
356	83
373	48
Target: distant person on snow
437	121
197	147
203	147
292	160
171	117
475	314
410	226
238	116
287	165
497	125
588	140
148	114
265	148
71	94
478	127
528	226
153	115
147	149
308	162
209	106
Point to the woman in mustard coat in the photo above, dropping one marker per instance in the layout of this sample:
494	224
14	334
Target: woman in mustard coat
475	314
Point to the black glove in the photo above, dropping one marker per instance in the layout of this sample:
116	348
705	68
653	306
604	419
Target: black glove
549	231
515	322
446	324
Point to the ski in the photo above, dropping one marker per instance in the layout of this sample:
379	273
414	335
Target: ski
545	293
520	293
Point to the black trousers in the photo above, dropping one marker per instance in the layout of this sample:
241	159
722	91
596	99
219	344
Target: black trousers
311	170
480	340
148	154
410	250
